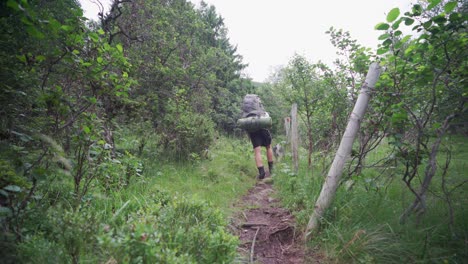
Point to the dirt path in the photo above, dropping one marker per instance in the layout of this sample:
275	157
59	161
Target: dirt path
267	231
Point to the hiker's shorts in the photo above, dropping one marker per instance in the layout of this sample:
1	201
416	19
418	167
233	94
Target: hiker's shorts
261	137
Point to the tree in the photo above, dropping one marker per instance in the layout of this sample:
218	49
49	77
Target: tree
303	86
57	77
427	75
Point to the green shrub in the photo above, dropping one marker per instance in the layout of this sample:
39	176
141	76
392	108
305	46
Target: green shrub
185	135
179	231
117	173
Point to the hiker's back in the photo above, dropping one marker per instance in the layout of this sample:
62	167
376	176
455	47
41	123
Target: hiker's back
254	116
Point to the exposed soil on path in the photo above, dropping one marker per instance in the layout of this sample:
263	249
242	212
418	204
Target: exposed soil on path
267	231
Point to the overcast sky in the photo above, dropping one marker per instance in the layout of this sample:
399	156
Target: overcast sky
267	33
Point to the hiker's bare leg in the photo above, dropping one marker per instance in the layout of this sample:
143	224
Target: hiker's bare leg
269	153
259	163
258	157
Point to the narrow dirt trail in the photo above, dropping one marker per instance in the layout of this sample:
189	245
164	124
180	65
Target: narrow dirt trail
267	231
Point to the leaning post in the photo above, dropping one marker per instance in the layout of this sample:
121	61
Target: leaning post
332	180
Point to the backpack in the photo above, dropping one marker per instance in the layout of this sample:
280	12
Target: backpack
252	106
254	116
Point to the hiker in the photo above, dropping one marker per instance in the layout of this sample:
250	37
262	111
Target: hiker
262	138
255	120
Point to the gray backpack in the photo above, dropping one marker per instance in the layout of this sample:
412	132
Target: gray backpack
254	116
252	106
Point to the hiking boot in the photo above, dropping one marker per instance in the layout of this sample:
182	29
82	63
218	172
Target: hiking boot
261	173
261	176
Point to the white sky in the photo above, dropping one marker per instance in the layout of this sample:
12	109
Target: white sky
267	33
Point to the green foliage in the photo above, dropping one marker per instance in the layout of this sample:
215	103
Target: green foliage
161	216
393	15
182	52
8	176
426	84
113	174
186	134
68	88
362	225
174	231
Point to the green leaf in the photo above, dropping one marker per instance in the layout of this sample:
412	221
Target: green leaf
22	58
433	4
387	42
409	21
424	36
409	49
101	31
450	6
382	26
54	24
440	19
393	14
32	30
22	137
12	188
396	25
427	24
99	59
119	48
5	211
417	10
384	36
382	50
94	36
39	173
405	39
13	4
66	27
86	129
455	17
92	100
40	58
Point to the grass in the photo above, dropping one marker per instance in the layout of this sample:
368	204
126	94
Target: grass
362	225
222	177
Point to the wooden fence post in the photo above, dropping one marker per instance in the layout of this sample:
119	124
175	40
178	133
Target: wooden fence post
294	138
344	150
287	128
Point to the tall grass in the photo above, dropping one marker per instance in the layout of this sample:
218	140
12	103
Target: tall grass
362	225
227	173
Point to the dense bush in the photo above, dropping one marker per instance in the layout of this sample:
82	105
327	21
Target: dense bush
169	230
186	136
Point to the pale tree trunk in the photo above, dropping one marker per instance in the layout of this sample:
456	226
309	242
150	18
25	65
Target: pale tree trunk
294	138
334	174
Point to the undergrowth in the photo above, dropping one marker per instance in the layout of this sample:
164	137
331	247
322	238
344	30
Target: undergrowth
362	224
141	209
